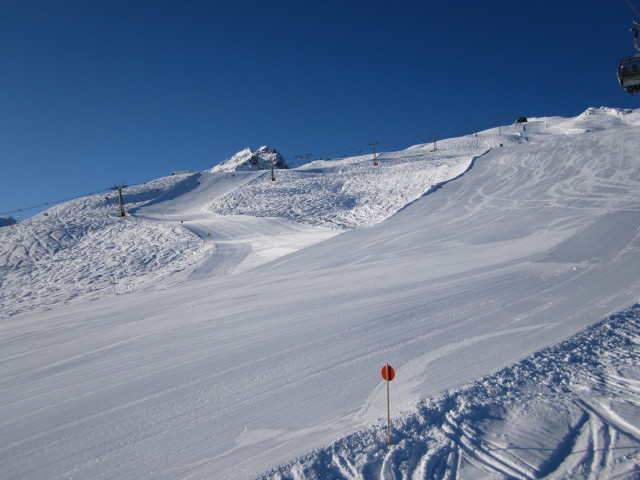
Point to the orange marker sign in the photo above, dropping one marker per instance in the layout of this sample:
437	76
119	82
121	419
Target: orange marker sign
388	373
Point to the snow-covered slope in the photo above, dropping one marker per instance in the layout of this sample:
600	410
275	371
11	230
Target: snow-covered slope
81	250
352	192
228	376
211	223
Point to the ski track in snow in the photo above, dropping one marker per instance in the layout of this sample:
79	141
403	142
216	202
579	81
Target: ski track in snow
236	323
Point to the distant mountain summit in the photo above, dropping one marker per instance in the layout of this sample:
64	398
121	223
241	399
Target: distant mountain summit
248	160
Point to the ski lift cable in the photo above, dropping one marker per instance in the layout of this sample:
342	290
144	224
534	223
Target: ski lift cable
405	142
51	203
633	8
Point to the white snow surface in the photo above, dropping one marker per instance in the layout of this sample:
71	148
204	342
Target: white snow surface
230	324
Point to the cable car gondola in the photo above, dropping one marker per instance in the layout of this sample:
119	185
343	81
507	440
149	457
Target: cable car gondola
629	73
629	67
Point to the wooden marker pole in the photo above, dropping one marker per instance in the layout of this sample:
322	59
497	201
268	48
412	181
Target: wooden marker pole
388	373
388	410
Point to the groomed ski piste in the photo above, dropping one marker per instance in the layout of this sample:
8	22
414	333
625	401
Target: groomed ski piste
234	327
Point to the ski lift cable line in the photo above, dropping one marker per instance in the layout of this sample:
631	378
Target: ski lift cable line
51	203
68	199
633	8
390	145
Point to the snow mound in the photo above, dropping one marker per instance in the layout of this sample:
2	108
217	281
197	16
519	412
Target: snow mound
597	119
568	411
248	160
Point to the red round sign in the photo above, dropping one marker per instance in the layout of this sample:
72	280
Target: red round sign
392	373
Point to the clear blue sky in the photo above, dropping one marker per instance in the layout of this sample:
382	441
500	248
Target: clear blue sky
94	92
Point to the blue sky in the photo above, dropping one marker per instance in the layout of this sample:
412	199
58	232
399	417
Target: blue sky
103	91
